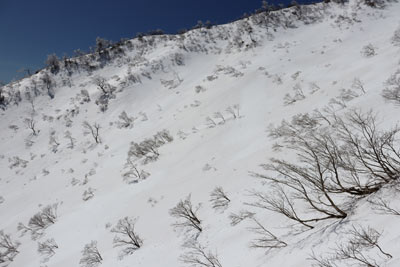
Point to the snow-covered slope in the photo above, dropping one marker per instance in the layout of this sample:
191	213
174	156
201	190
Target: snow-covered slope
243	70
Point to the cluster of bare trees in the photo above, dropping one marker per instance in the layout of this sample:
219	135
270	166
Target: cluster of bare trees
40	221
219	118
340	160
148	148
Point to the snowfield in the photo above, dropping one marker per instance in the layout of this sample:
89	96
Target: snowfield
216	92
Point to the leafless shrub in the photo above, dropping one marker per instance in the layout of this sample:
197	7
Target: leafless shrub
218	115
357	250
53	142
368	50
17	162
49	84
198	256
186	215
347	159
210	122
199	89
93	130
68	135
218	198
358	85
125	121
396	37
234	111
134	175
90	255
298	96
1	200
345	96
265	239
126	236
392	90
40	221
88	194
241	216
85	96
8	248
47	249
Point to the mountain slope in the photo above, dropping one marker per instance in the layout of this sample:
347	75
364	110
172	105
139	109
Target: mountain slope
175	83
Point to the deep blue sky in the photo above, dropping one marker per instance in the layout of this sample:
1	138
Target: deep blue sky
30	30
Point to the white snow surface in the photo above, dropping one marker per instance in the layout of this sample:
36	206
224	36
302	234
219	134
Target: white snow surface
326	53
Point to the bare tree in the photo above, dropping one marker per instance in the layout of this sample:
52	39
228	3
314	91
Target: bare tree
186	215
93	130
126	237
350	158
358	85
31	125
47	249
107	92
361	243
218	198
265	239
133	175
198	256
8	248
49	83
91	256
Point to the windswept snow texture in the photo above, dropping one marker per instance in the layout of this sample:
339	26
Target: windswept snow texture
215	92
